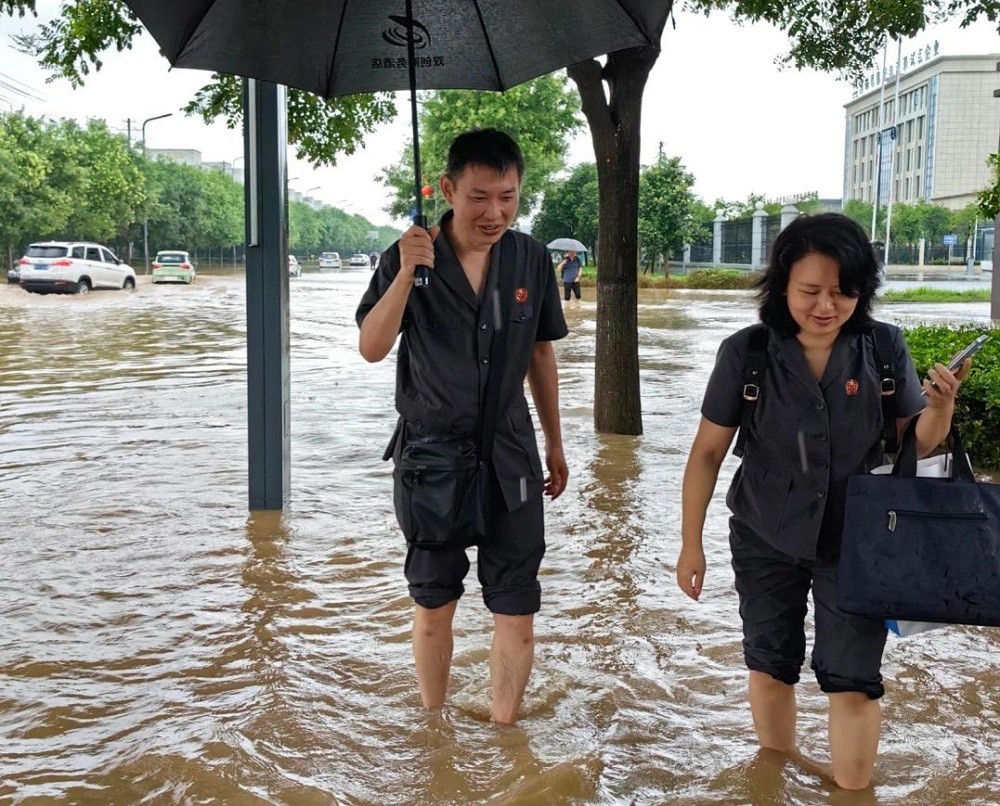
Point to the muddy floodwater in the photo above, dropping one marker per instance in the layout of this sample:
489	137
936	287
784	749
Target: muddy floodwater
160	645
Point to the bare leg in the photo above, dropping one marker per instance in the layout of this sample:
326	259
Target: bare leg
855	722
510	664
432	648
774	713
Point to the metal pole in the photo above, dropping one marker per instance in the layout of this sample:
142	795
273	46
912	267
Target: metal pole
995	283
145	204
421	276
268	353
881	118
892	161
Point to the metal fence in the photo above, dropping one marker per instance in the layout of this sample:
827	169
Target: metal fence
771	229
737	241
702	251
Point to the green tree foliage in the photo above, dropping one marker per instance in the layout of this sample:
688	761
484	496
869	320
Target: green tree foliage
861	212
666	208
330	229
112	190
540	115
911	222
62	181
843	36
988	198
702	222
71	44
964	222
30	200
59	180
569	208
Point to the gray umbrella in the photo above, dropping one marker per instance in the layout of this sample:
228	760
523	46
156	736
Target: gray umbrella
342	47
567	244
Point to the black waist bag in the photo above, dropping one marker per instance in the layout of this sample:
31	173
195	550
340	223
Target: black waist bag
441	492
442	483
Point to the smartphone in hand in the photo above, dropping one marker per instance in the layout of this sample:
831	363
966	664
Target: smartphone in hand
968	351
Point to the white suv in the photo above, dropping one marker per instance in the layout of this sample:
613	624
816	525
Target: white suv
73	267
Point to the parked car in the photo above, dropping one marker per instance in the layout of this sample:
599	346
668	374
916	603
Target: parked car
329	260
173	266
294	269
14	273
360	261
73	267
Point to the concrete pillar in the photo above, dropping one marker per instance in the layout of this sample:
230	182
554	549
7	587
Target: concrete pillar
717	239
759	224
788	214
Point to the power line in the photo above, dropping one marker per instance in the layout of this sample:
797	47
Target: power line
17	81
17	91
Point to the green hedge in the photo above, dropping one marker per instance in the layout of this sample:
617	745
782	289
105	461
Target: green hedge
977	410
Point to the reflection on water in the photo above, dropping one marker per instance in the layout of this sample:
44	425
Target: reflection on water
160	644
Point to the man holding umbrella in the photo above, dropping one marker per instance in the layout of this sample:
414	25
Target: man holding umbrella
571	268
448	332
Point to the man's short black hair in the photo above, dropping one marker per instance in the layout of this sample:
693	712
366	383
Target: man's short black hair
831	234
487	148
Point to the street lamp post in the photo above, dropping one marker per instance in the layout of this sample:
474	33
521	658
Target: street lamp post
995	284
145	206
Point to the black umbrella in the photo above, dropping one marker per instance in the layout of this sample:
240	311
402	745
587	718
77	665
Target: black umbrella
342	47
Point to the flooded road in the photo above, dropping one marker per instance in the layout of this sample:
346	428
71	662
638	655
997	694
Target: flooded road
159	645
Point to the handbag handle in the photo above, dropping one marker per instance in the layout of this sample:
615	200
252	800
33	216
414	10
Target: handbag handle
906	460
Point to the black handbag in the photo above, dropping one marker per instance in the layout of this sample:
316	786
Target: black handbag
921	549
441	490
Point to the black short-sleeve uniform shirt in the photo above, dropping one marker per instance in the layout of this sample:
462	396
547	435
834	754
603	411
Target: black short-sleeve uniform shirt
444	350
807	436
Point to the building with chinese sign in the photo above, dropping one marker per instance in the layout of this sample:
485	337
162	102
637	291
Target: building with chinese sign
933	143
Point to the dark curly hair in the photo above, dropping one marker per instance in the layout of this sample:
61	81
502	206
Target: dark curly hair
839	238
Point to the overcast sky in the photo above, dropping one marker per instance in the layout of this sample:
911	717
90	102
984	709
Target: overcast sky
715	98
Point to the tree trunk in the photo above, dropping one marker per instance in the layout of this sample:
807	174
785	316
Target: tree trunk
614	127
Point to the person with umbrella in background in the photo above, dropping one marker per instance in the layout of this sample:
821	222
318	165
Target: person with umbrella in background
571	269
447	340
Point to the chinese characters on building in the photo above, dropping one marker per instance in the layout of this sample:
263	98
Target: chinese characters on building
908	62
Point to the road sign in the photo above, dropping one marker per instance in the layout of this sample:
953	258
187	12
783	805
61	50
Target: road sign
950	240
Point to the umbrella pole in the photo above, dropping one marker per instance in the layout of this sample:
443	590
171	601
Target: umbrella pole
421	275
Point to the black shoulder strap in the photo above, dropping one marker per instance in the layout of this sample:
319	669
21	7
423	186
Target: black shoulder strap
498	350
886	363
753	378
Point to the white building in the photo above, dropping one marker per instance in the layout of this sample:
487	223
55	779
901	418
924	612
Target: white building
947	123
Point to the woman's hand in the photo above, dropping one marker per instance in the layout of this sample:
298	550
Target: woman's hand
942	387
691	571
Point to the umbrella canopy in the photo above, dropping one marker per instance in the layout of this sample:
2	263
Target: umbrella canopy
341	47
567	244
